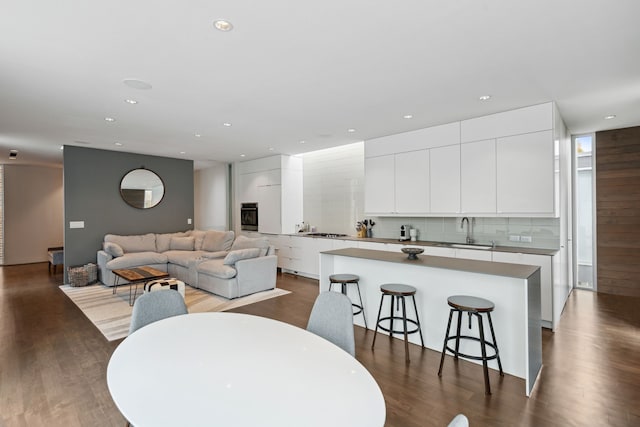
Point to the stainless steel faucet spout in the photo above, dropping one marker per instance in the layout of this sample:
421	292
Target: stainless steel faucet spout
469	228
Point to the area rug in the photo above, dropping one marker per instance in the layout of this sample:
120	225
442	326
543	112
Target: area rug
112	314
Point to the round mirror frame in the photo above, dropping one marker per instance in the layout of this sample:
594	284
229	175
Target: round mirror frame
146	184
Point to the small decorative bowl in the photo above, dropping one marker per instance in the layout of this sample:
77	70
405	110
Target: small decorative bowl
412	252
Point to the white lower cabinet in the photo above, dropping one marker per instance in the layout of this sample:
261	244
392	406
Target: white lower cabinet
546	279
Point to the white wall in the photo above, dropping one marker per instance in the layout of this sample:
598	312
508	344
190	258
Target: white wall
333	192
211	198
33	212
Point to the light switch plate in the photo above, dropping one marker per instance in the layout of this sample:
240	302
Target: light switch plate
514	238
76	224
189	221
526	239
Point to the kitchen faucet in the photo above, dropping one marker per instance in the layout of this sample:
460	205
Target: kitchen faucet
469	228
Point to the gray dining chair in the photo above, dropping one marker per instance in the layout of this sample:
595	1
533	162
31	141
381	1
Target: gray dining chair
332	319
459	421
153	306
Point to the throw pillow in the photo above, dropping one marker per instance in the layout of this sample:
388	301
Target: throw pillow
234	256
181	243
243	242
113	249
217	241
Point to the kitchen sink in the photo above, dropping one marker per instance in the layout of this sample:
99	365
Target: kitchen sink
465	246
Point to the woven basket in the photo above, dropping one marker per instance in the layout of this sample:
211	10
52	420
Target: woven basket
78	276
92	273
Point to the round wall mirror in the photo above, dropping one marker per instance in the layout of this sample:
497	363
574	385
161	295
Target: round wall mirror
142	188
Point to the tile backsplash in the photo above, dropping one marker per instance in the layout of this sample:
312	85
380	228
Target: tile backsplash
544	232
333	201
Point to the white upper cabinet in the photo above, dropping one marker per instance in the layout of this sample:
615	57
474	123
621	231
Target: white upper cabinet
445	180
478	177
411	182
379	185
525	174
513	122
496	165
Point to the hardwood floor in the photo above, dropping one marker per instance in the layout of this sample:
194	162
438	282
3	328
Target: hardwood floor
53	364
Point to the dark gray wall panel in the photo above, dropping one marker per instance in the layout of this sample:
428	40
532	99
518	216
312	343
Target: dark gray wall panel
92	194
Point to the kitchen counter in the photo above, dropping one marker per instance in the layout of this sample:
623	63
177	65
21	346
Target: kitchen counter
513	288
498	248
518	271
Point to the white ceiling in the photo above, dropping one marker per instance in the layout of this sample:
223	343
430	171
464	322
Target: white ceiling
294	70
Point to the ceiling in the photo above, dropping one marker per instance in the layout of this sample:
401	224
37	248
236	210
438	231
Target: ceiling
293	71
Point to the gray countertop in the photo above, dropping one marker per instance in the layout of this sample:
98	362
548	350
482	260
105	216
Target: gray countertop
518	271
511	249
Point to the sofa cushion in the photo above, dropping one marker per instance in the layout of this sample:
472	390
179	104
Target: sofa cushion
136	259
243	242
164	240
199	238
136	243
239	254
112	249
182	257
213	255
216	268
182	243
215	240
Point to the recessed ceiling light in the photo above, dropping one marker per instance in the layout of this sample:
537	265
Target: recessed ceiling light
271	148
484	97
197	135
62	147
118	144
303	141
227	124
241	155
137	84
223	25
183	152
110	119
408	116
131	101
351	130
612	116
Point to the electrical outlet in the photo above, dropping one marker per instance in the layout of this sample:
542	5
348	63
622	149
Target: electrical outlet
514	238
188	220
526	239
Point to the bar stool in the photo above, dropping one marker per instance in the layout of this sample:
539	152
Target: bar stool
477	307
398	292
344	280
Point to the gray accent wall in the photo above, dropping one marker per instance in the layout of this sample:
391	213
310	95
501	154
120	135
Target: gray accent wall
92	194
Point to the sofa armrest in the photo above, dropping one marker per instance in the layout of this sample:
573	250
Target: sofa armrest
256	274
105	274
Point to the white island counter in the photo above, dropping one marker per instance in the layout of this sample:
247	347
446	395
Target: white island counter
513	288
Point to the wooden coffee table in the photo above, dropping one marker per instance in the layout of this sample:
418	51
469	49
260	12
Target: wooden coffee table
135	276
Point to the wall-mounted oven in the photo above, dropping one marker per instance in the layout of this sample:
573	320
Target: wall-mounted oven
249	216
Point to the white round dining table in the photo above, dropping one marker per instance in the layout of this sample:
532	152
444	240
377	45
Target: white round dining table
229	369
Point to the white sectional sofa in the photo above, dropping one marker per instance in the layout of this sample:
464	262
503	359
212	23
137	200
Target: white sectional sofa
212	260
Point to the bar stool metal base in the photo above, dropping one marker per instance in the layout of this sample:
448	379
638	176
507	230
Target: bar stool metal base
473	307
398	293
344	280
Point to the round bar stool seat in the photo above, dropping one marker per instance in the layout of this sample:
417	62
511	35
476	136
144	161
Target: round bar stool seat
344	280
398	292
473	306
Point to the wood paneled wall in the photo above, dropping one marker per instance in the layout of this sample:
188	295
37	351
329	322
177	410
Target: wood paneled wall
618	211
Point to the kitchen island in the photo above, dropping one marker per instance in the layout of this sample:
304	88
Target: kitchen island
514	289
